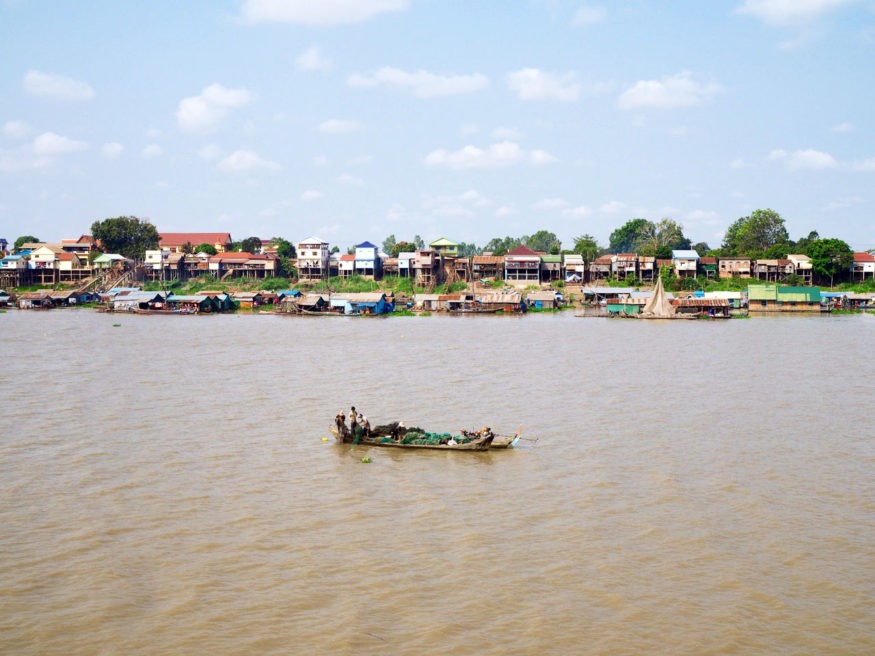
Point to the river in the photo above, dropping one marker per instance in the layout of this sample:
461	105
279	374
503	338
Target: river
687	487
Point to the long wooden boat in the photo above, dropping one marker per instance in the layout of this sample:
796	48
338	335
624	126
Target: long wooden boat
470	441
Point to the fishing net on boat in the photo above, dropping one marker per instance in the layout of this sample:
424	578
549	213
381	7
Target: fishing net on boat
419	436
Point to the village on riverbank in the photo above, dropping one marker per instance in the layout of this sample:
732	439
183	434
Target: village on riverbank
176	279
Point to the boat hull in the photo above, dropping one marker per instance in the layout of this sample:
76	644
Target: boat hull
481	444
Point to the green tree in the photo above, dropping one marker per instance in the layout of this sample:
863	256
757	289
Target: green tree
468	250
587	246
389	243
126	235
702	248
753	235
629	236
402	247
829	258
284	248
543	241
250	245
418	243
499	246
209	249
24	239
662	237
801	246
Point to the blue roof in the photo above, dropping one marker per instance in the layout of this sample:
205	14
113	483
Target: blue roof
365	244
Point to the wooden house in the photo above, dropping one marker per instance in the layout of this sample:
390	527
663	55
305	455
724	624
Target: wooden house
863	267
551	268
802	266
444	247
248	300
522	264
461	302
708	267
775	298
733	267
427	302
190	303
346	266
574	267
601	268
405	266
500	301
487	267
646	268
426	268
35	301
543	300
367	261
624	265
685	263
312	259
361	303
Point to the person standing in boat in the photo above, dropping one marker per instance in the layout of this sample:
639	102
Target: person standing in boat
340	420
365	424
353	421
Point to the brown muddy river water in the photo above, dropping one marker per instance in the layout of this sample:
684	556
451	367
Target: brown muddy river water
686	487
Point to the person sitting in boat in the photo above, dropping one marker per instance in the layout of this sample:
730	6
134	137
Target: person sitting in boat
340	420
365	425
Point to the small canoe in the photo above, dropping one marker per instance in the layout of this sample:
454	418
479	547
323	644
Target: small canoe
480	443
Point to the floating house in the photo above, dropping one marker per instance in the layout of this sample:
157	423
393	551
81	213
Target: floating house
775	298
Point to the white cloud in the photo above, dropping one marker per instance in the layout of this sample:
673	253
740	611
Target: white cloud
151	151
541	157
49	144
350	180
338	126
204	113
864	165
790	12
311	195
312	60
588	15
612	207
669	92
210	152
578	212
16	129
321	12
245	160
497	155
804	159
56	87
738	163
506	134
550	205
842	128
421	83
112	150
534	84
464	204
505	210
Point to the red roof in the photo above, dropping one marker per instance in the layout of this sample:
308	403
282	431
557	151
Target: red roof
167	239
522	249
864	257
347	258
708	260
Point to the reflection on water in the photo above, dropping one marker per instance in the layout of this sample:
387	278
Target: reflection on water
683	487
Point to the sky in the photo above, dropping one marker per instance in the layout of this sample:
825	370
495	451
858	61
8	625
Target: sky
353	120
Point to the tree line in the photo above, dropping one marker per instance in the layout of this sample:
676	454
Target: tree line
760	235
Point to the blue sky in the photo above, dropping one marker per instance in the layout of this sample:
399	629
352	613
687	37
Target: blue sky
356	119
